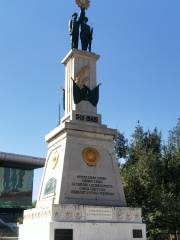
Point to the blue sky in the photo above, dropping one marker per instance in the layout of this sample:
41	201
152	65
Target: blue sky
139	44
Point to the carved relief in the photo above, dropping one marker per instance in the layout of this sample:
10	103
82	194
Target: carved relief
50	187
81	77
54	159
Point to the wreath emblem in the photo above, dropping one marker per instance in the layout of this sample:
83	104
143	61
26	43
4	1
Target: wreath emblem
54	160
84	4
91	156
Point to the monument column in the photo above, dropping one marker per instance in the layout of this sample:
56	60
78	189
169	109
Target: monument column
80	67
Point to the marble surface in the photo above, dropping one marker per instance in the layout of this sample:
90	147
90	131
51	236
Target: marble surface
81	213
81	230
73	63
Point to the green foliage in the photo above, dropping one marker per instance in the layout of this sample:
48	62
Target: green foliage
174	137
151	179
34	204
120	145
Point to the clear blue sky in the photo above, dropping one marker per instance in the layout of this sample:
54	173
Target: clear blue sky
139	44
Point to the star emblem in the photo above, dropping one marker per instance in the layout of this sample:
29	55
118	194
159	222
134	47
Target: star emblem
84	4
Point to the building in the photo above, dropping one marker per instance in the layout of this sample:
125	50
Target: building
16	186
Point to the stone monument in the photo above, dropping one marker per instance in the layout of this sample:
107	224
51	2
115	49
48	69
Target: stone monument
81	196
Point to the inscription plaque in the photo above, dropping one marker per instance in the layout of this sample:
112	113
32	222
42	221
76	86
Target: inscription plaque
92	185
99	213
137	233
86	118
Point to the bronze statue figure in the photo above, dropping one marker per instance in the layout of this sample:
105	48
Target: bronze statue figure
86	34
74	31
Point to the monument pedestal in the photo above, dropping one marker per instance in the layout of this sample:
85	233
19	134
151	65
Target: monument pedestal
79	222
81	167
81	196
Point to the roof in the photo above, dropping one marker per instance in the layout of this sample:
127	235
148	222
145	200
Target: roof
11	160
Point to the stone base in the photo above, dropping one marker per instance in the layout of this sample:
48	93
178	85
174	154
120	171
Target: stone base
82	231
83	222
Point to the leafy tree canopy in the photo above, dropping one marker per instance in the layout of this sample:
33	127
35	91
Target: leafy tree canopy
151	177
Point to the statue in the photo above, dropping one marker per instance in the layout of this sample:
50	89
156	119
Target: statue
74	31
76	24
86	35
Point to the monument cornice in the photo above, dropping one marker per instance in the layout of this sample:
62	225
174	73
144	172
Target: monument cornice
74	52
81	128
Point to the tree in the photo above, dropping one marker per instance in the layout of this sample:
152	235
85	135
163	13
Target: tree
141	174
151	179
170	196
174	136
120	146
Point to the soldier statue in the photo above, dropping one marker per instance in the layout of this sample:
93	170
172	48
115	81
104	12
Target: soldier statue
86	34
74	31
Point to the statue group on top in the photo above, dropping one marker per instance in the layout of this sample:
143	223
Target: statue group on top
78	27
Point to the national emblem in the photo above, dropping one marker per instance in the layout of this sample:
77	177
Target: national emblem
91	156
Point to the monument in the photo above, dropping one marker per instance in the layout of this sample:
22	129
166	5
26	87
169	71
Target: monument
81	196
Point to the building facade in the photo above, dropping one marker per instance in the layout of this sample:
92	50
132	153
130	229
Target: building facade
16	187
